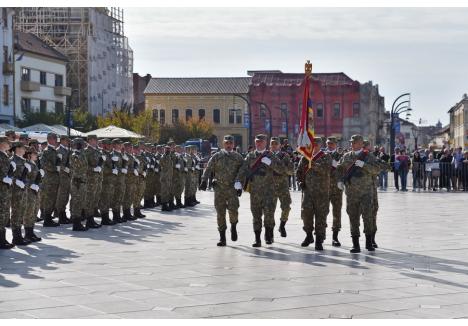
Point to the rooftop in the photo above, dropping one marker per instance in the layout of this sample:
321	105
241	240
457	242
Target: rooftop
29	42
199	85
278	78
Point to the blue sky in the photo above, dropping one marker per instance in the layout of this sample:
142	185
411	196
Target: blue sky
419	50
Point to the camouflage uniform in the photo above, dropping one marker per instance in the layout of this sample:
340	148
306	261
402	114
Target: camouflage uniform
178	178
95	161
6	171
63	192
281	183
150	178
130	184
50	163
118	180
109	178
196	177
31	196
156	189
140	181
79	174
18	195
336	194
166	175
189	170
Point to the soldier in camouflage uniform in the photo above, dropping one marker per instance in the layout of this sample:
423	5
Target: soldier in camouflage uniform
224	165
140	180
78	174
166	165
119	172
150	176
189	171
359	190
6	182
109	177
51	164
196	175
281	181
95	161
63	192
336	194
32	183
157	174
178	176
130	182
257	170
314	180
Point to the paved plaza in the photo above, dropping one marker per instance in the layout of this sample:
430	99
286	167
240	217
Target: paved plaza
168	266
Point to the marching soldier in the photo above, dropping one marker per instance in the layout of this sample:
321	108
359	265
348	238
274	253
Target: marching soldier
314	180
196	175
119	172
257	174
167	169
157	174
357	168
6	183
78	173
64	180
178	178
95	161
33	181
51	164
336	194
130	182
281	181
150	176
109	171
10	135
224	165
189	170
140	182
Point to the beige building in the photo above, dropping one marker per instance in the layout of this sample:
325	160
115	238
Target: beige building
459	124
217	100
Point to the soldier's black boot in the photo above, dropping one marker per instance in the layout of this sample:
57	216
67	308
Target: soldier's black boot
258	239
222	239
171	205
335	241
4	244
234	232
369	245
137	212
319	243
63	219
179	203
116	216
7	223
158	201
195	200
18	239
127	215
29	235
91	223
146	204
373	240
77	226
105	220
49	222
356	247
41	216
188	202
308	239
164	207
282	229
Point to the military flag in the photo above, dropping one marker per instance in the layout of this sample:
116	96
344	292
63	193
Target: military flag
306	130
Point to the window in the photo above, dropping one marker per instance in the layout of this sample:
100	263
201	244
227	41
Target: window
336	111
58	107
25	104
155	114
43	106
4	17
407	135
356	110
235	116
320	111
43	77
262	112
284	111
216	116
201	114
175	115
188	114
6	95
58	80
162	117
5	54
26	74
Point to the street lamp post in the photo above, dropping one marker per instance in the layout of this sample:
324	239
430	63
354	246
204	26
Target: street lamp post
394	113
415	132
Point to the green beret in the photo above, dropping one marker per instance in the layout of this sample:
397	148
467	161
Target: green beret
91	137
331	140
64	138
51	135
3	139
229	138
116	141
23	136
170	141
275	140
106	141
16	144
78	140
10	133
366	142
33	141
261	137
356	138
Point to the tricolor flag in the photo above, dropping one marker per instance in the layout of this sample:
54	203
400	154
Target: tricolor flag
306	130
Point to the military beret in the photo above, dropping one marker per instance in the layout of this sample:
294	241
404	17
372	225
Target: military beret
78	140
356	138
52	135
116	141
159	146
33	141
366	142
106	141
10	133
91	137
178	146
170	141
318	140
261	137
167	146
229	138
30	150
64	137
16	144
3	139
331	140
24	136
275	140
127	144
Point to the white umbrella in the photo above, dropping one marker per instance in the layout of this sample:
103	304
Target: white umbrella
114	132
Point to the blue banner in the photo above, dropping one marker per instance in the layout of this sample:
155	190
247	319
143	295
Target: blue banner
246	120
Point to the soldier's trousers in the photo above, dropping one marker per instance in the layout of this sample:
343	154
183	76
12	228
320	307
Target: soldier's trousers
314	211
31	207
50	185
188	184
107	191
5	202
178	184
195	182
157	184
375	208
77	198
63	192
149	187
336	200
140	183
282	193
358	204
261	203
130	188
18	197
166	188
118	191
225	198
93	192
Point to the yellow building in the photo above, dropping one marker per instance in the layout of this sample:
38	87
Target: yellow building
217	100
459	124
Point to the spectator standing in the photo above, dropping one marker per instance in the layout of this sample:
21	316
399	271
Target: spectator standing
417	168
383	175
445	169
457	165
395	167
464	172
403	168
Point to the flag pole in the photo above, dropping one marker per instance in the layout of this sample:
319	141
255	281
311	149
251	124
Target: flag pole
308	73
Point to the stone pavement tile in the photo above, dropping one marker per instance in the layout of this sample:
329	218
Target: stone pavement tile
61	292
62	312
151	314
388	293
384	315
18	295
113	287
170	302
14	315
205	311
342	311
403	303
432	290
299	313
435	312
121	306
138	294
90	298
101	316
36	303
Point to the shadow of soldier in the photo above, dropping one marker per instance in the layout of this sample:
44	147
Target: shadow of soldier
27	262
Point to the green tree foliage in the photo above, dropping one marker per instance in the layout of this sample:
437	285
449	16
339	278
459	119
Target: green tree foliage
184	130
82	121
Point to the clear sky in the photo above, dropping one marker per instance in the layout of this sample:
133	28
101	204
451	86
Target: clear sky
422	51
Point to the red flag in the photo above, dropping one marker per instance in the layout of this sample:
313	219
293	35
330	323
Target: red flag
306	131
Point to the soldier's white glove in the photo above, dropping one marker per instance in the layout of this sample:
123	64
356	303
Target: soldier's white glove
59	156
13	164
35	187
137	160
124	171
58	168
359	163
197	166
238	185
151	166
104	158
125	157
97	169
157	161
19	183
340	185
135	172
148	166
28	167
115	158
115	171
156	170
266	160
8	180
186	169
193	169
66	170
334	163
177	166
41	171
144	174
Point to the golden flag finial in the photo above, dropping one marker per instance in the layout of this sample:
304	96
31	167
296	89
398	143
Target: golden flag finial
308	68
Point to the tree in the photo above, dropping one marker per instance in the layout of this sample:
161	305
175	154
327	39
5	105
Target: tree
83	121
31	118
181	131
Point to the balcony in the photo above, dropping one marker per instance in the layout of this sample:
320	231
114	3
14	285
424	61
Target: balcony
7	68
62	91
30	86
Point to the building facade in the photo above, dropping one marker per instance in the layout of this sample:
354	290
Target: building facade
139	85
459	124
40	76
7	67
220	101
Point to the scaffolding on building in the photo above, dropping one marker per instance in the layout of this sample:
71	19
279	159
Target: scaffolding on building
100	63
